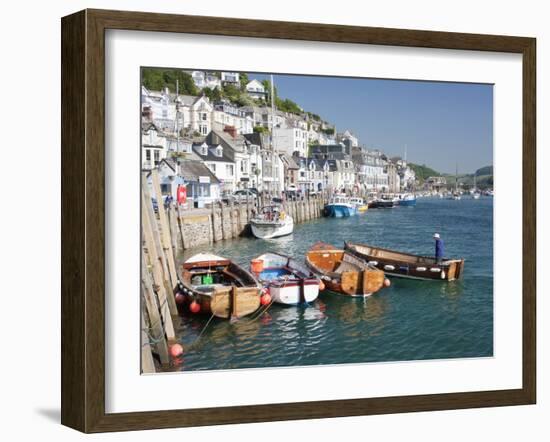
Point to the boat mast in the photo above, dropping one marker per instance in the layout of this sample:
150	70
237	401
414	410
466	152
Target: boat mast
177	121
273	125
456	179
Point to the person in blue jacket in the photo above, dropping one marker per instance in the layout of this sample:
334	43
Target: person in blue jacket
439	250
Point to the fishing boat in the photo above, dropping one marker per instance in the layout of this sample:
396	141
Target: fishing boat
339	207
271	222
287	280
407	199
406	265
343	272
386	201
217	286
359	203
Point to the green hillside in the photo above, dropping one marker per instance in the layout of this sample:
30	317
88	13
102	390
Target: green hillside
422	171
484	178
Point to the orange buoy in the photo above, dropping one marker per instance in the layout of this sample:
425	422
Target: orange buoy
257	265
176	350
265	299
321	285
387	282
195	307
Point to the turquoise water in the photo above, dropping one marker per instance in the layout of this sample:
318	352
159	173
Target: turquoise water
411	320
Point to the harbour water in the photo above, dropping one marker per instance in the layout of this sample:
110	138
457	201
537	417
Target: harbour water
411	320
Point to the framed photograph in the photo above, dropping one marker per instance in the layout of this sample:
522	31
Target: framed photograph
266	221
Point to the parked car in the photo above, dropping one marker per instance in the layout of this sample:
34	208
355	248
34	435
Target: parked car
240	196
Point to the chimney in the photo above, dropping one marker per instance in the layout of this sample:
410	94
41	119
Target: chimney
231	130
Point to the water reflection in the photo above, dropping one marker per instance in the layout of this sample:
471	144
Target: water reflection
410	320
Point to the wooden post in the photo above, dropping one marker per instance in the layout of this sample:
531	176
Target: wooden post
147	363
232	219
152	242
214	238
247	209
158	287
222	221
173	230
180	224
165	230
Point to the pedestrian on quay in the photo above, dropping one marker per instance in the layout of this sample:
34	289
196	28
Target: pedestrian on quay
439	248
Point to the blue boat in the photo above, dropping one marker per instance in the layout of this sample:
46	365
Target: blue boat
407	200
340	207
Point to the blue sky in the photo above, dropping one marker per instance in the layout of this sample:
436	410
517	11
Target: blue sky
442	124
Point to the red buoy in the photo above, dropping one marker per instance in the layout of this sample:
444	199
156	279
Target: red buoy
265	299
195	307
180	298
387	282
176	350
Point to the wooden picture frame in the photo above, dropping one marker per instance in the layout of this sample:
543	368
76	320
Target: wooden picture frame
83	220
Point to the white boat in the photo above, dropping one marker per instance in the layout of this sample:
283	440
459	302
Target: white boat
288	281
271	222
475	193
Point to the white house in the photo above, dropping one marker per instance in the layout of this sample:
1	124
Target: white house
230	77
204	79
156	107
219	161
348	139
293	141
239	149
228	114
153	146
256	90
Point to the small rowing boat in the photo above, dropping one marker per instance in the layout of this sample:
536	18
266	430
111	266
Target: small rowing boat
406	265
343	272
215	285
287	280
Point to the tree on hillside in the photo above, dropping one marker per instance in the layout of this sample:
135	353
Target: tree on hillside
422	171
243	79
212	94
157	79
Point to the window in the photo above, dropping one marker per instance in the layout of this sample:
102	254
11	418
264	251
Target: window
243	166
157	156
212	167
204	117
203	129
229	170
148	154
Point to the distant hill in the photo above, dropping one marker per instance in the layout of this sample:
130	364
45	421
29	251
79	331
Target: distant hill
422	171
487	170
484	178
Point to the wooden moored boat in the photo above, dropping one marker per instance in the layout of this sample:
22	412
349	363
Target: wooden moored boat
343	272
289	281
214	285
406	265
